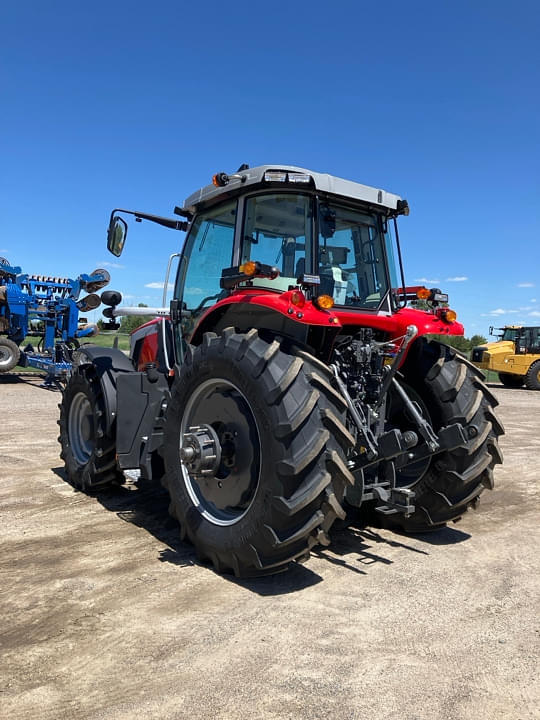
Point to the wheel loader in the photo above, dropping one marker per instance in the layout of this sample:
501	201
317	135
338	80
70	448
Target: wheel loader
288	382
515	356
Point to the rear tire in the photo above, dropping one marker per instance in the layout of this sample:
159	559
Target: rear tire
88	450
532	378
511	381
9	354
282	487
453	391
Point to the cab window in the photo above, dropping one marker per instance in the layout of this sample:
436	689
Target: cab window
352	263
275	232
208	251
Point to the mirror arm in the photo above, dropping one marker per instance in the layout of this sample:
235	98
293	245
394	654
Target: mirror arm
183	213
166	222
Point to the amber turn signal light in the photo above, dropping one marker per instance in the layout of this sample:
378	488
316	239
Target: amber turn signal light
423	293
325	302
446	315
220	179
249	267
449	315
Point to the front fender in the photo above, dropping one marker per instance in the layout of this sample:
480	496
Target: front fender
108	364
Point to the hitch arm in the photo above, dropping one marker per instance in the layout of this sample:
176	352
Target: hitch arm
412	332
424	428
358	416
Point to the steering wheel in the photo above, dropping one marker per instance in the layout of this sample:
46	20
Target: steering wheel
203	301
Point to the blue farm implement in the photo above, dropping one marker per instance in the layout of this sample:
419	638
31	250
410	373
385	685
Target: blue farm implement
47	309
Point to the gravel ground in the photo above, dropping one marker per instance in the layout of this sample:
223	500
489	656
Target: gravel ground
106	614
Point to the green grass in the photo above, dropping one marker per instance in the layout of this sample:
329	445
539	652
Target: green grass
103	340
107	340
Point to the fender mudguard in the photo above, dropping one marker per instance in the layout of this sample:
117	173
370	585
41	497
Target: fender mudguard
108	364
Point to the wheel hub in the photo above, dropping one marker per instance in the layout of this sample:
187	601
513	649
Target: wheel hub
5	356
81	430
201	451
220	451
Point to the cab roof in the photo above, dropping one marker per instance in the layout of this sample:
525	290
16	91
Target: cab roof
244	179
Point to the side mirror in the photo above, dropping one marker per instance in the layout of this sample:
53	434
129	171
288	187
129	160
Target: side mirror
116	235
327	221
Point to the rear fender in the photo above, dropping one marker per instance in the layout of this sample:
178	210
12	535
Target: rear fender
308	326
268	321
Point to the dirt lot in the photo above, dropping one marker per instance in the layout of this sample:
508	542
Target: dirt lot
105	614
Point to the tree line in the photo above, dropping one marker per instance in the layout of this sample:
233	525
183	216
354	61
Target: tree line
130	322
463	344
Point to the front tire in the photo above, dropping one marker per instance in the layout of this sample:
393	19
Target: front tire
532	378
282	475
9	354
453	391
88	450
511	381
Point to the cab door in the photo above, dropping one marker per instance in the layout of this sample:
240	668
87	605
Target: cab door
208	250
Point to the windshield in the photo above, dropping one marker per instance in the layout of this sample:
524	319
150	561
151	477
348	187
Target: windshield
275	232
509	334
351	256
351	263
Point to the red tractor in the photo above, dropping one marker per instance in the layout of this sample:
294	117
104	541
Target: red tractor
289	381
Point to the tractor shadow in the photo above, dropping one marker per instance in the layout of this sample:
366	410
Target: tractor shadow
145	505
363	541
27	378
354	547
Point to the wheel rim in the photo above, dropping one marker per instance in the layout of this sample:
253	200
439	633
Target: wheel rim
224	498
6	356
397	418
81	428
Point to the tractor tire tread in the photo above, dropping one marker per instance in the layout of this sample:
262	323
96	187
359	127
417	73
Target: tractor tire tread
101	469
305	417
455	479
13	349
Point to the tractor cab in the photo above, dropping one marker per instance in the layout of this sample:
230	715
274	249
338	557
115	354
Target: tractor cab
323	235
308	255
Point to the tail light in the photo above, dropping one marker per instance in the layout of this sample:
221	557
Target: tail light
298	298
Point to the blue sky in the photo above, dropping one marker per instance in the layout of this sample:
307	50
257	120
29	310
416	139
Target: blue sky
136	105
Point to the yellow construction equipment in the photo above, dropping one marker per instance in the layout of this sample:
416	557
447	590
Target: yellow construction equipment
515	356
